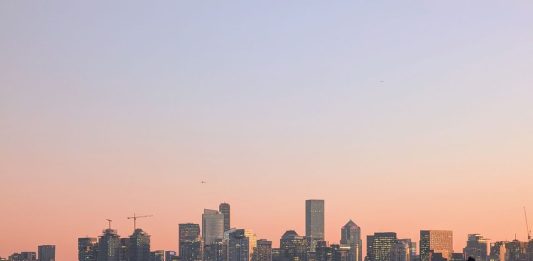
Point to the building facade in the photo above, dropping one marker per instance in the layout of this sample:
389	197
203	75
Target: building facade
436	241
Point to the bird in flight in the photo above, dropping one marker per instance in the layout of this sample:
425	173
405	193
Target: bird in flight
203	182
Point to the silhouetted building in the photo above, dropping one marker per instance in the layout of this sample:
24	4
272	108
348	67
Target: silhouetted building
108	246
216	251
23	256
314	221
241	243
87	249
515	251
401	250
46	252
224	208
123	251
139	246
190	244
498	251
263	250
340	253
212	226
158	255
351	236
458	257
170	255
276	254
323	252
379	246
436	241
477	247
293	247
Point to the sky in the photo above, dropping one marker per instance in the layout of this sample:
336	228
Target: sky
401	115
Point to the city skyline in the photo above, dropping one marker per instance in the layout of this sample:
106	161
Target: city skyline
402	115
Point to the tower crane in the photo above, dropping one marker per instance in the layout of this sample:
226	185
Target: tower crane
527	226
109	221
135	217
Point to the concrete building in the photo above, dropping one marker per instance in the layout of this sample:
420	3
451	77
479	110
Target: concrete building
293	247
139	246
87	249
379	246
109	246
351	237
314	221
212	226
190	243
263	250
224	208
436	242
477	247
46	252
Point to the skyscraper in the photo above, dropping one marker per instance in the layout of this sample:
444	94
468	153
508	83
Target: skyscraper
190	244
293	247
498	251
241	243
216	251
46	253
109	246
224	208
379	246
139	246
340	253
87	247
212	226
436	241
351	236
477	247
263	250
401	250
314	221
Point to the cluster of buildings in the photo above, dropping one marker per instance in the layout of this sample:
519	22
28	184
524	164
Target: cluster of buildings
215	240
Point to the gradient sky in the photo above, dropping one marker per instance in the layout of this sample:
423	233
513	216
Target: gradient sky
402	115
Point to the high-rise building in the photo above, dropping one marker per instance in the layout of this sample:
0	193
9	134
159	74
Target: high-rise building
212	226
157	255
379	246
87	249
314	220
477	247
123	252
224	208
351	236
515	251
139	246
263	250
241	243
46	252
323	252
109	246
498	251
401	251
190	244
293	247
436	242
529	250
216	251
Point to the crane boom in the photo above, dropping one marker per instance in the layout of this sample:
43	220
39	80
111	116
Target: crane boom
527	226
135	217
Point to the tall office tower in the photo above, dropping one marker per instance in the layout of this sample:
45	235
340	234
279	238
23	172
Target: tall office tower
241	243
401	250
109	246
529	250
212	226
412	251
263	250
314	221
87	247
190	244
157	255
351	236
47	252
498	251
216	251
170	255
139	246
23	256
340	253
436	241
224	208
477	247
379	246
293	247
123	251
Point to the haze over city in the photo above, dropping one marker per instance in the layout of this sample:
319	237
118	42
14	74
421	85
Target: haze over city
402	116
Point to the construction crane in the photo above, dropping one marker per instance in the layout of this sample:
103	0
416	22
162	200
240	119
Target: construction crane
109	221
135	217
527	226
